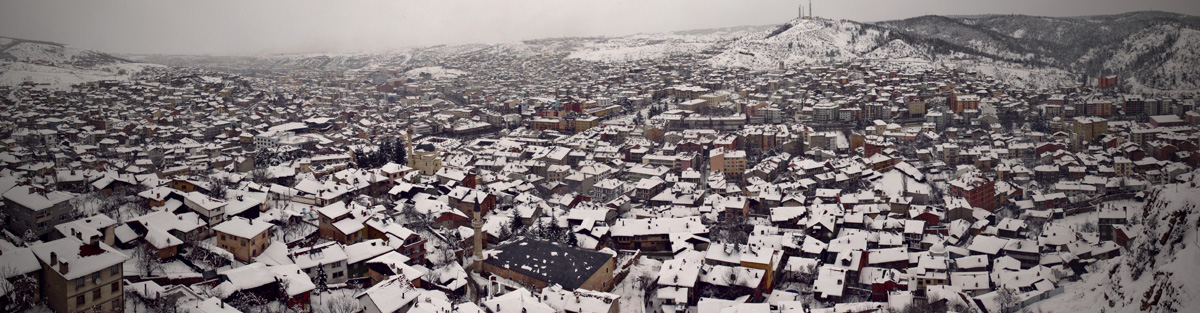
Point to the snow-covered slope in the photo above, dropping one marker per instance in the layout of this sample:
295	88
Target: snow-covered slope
57	66
813	42
1158	274
48	53
655	46
1151	51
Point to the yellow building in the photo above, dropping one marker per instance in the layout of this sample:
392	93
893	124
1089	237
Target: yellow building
245	238
1084	129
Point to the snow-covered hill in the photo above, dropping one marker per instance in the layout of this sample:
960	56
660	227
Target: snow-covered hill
656	46
48	53
1152	51
811	42
57	66
1158	274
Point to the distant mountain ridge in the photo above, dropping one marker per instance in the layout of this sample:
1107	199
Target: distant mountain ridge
1153	50
54	65
34	51
1157	49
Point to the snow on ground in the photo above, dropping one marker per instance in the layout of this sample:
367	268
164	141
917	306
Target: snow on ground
622	53
895	180
58	78
653	46
46	52
435	71
632	296
320	300
1166	252
1035	78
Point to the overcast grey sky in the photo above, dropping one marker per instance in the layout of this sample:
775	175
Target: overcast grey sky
308	26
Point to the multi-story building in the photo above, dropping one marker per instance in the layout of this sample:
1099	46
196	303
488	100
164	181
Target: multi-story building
958	103
400	238
1134	105
34	210
978	190
81	277
243	237
825	112
731	163
1122	166
329	258
1084	129
467	200
653	234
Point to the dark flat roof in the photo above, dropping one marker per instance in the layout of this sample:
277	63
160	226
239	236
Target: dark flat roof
549	262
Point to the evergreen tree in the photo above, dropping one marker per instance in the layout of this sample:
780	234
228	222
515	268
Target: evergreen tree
321	283
385	151
571	240
361	159
515	223
399	151
554	231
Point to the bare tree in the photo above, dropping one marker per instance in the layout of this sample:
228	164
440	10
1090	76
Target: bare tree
248	302
1008	300
199	255
341	305
158	303
22	295
146	260
292	231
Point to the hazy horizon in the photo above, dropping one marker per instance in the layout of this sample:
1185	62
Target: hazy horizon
225	27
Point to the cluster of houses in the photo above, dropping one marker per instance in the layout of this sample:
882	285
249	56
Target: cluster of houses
582	187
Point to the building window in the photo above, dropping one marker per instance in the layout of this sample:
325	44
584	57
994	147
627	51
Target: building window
80	300
79	282
96	276
115	270
337	274
96	294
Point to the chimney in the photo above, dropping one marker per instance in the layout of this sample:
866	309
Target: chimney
63	267
53	258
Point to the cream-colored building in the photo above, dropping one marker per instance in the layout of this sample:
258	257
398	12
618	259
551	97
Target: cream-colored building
81	277
245	238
